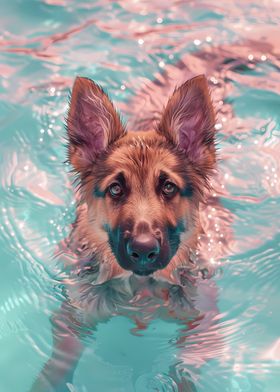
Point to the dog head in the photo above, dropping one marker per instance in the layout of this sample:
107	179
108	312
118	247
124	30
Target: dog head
142	189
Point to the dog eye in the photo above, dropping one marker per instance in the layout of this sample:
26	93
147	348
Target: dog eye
169	189
115	190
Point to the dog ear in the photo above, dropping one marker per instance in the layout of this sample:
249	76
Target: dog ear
188	121
92	123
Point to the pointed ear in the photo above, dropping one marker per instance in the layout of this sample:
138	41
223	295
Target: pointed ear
188	121
92	123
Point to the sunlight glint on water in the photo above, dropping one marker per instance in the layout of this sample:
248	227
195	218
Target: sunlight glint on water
139	51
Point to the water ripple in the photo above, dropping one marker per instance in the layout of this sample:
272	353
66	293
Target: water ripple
140	51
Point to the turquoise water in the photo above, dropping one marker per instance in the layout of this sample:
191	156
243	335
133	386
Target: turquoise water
138	51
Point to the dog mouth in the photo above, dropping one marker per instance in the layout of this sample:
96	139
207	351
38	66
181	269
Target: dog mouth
143	254
143	272
141	265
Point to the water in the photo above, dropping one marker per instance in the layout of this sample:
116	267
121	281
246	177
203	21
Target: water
139	51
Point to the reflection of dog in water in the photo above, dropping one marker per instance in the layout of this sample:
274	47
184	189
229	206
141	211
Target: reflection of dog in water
137	220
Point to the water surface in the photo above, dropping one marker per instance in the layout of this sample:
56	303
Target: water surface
138	51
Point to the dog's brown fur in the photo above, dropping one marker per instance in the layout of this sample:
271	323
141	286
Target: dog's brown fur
181	145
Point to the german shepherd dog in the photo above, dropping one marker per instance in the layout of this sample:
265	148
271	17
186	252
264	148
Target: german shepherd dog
139	195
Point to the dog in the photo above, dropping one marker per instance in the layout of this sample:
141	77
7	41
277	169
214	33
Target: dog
137	228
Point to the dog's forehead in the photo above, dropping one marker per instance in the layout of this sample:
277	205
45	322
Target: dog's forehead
141	158
142	154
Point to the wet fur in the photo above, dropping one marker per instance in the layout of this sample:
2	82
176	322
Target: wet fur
182	146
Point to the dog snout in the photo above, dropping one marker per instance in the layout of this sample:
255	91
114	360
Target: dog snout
143	249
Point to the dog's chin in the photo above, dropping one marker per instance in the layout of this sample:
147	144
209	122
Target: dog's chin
143	272
137	271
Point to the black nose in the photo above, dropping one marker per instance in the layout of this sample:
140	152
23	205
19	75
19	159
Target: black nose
143	249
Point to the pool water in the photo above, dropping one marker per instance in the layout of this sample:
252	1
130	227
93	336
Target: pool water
138	51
